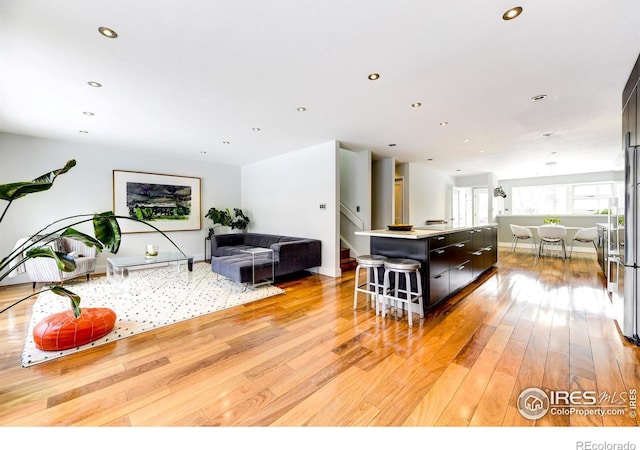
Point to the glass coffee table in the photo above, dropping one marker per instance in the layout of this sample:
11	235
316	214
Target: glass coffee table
118	266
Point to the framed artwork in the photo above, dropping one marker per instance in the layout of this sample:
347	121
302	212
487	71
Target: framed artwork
168	202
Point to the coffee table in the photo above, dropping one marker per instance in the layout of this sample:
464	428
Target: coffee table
118	266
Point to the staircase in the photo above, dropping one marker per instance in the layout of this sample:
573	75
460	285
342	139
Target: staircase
347	262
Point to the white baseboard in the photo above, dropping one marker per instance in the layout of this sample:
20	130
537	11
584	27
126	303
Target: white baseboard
527	246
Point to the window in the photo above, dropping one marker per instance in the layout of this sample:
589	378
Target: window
567	198
589	198
539	199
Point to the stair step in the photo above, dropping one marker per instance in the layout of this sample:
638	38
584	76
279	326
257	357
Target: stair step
348	264
344	253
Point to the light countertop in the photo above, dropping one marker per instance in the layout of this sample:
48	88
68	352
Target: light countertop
419	232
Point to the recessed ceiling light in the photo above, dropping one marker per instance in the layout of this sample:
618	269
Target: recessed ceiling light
429	159
466	140
392	145
94	84
442	124
83	131
416	105
547	134
107	32
373	76
512	13
88	113
226	142
458	170
203	152
481	151
255	129
301	109
537	98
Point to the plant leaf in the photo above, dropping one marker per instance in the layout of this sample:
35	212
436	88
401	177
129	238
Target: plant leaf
75	298
107	230
84	238
64	262
12	191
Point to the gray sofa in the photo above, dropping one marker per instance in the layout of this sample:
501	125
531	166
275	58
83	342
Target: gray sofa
290	255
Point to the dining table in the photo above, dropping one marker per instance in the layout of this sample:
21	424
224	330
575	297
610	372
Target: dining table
567	240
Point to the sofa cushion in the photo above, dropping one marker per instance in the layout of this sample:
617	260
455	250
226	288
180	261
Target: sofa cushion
261	240
228	250
240	267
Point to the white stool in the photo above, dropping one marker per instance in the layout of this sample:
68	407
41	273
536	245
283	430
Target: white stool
371	263
399	296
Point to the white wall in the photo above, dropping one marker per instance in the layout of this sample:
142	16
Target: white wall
284	194
355	194
87	188
429	194
382	188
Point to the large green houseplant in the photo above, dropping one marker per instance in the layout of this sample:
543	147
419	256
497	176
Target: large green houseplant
105	227
224	217
240	220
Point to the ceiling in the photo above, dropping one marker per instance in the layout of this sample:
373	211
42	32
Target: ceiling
198	78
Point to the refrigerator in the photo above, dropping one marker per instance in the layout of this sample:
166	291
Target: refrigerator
626	307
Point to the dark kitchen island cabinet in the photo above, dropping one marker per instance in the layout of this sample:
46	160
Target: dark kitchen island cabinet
450	258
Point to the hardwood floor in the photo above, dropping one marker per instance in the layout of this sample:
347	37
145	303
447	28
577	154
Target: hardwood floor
308	359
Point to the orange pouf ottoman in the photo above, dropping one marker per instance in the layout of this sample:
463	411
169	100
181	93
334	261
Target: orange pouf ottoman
63	330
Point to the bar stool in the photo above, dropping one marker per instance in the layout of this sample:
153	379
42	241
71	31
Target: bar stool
371	263
394	295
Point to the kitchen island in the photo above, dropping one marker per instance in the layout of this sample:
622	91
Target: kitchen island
450	257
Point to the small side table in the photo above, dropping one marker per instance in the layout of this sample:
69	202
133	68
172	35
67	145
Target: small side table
208	238
260	251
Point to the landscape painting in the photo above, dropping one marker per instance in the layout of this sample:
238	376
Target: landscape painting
168	202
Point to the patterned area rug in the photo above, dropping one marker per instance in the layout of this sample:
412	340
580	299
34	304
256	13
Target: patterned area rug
148	299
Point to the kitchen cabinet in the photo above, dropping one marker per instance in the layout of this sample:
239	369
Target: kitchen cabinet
449	264
631	106
484	248
450	259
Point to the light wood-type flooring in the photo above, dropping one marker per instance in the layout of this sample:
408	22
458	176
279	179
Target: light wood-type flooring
306	358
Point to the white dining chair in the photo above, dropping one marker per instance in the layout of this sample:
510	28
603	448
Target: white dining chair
585	235
522	234
552	234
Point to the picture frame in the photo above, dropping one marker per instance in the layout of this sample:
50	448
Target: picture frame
168	202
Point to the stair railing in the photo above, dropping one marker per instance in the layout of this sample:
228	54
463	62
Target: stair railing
353	217
358	223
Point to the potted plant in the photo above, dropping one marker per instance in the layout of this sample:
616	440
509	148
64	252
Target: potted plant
219	217
552	220
240	220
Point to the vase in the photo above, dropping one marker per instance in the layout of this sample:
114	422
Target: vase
152	251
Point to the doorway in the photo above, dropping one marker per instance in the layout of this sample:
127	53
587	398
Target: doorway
398	203
462	206
480	206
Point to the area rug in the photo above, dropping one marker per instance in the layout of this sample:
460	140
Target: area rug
147	300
